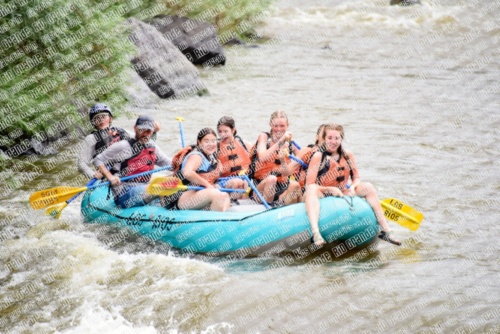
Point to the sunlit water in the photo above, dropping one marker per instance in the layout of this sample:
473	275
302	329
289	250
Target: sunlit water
417	91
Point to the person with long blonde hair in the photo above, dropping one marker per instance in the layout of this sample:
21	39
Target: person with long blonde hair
333	172
305	154
271	165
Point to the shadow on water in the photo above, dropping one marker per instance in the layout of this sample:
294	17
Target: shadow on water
311	256
363	258
304	254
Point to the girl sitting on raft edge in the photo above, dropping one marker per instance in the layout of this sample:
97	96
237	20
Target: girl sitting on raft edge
328	174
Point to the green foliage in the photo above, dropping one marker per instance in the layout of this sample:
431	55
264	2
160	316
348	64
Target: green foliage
60	55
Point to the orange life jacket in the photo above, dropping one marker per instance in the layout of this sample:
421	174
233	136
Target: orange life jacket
259	170
301	174
179	157
336	173
233	157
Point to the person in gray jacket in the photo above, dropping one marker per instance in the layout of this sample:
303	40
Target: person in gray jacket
105	135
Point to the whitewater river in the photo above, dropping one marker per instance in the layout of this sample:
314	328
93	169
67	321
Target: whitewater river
417	91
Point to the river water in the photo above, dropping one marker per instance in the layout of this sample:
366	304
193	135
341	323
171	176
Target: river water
417	91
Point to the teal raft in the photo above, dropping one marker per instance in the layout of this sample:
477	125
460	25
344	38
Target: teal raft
345	223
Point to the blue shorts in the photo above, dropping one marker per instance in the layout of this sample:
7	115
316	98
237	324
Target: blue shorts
131	196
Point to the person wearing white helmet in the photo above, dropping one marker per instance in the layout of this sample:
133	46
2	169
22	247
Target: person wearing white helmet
101	138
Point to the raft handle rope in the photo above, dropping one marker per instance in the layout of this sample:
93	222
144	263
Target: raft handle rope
350	203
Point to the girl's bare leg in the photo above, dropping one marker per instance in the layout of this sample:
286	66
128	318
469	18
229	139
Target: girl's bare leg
236	184
267	188
312	196
196	200
367	190
292	194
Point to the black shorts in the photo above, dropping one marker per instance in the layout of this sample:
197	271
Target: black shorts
170	202
281	187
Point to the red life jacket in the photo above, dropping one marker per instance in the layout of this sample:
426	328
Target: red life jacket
336	173
259	170
233	157
143	160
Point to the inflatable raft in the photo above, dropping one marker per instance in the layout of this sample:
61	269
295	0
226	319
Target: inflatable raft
345	223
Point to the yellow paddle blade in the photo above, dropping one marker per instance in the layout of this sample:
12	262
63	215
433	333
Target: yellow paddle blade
398	204
402	213
159	190
55	210
165	186
45	198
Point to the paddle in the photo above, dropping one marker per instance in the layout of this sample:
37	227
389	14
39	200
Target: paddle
402	213
254	188
45	198
293	157
302	163
168	185
180	119
56	209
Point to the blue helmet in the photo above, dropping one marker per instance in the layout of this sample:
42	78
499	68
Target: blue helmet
99	108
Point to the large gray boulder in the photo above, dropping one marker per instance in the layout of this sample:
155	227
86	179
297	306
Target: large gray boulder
197	40
161	65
